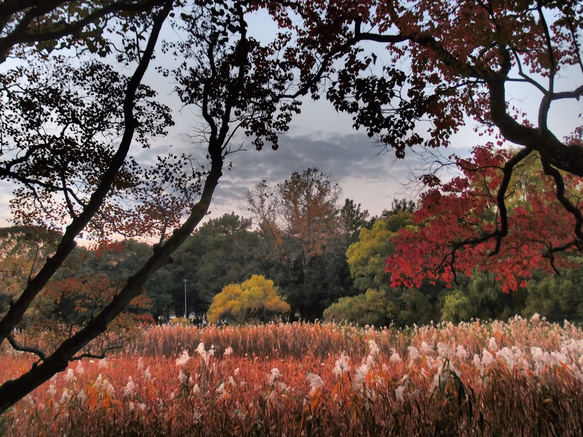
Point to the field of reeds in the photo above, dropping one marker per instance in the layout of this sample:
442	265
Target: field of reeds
515	378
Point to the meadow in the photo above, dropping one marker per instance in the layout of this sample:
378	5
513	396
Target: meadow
520	377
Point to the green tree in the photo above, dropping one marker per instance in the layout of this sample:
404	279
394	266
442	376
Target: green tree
367	256
391	306
557	298
367	261
398	206
352	220
306	237
222	251
481	297
370	308
256	299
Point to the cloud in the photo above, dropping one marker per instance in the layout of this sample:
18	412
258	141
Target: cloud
367	174
320	138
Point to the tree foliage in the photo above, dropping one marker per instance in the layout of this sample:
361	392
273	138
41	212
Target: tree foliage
58	24
456	64
372	308
367	256
558	298
307	236
455	73
22	252
78	291
380	303
221	251
50	112
352	220
302	207
255	299
479	297
461	228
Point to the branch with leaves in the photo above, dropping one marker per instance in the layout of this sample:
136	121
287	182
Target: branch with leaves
502	215
230	78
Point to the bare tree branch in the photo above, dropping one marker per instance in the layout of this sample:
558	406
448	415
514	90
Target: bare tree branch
18	347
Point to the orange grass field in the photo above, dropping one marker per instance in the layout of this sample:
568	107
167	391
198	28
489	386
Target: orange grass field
515	378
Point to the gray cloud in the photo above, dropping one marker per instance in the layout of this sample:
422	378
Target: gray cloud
319	137
366	174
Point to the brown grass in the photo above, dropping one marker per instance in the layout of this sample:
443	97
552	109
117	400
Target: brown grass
522	377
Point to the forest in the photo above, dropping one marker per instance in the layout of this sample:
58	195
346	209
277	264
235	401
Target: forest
328	261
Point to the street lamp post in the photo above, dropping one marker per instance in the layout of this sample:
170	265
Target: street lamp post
185	312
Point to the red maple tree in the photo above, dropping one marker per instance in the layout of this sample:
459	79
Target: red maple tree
501	214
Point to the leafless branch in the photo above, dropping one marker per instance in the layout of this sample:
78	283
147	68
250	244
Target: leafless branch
560	190
18	347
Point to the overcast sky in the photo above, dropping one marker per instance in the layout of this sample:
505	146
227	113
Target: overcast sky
318	138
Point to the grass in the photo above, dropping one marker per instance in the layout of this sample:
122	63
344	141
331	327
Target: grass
521	377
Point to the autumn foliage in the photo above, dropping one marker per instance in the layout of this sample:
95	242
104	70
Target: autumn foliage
256	298
463	226
455	64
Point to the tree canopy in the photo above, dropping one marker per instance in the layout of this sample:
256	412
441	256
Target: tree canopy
221	251
255	299
454	64
306	235
462	229
380	302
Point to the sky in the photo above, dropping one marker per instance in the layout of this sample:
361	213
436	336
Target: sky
318	138
322	138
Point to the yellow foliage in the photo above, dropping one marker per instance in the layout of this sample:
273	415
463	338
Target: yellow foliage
257	297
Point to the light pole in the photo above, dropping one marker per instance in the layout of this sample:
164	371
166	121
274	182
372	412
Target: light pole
185	313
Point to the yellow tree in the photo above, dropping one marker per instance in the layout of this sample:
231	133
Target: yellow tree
256	299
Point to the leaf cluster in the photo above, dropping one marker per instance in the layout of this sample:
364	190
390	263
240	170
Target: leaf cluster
256	298
465	225
60	125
